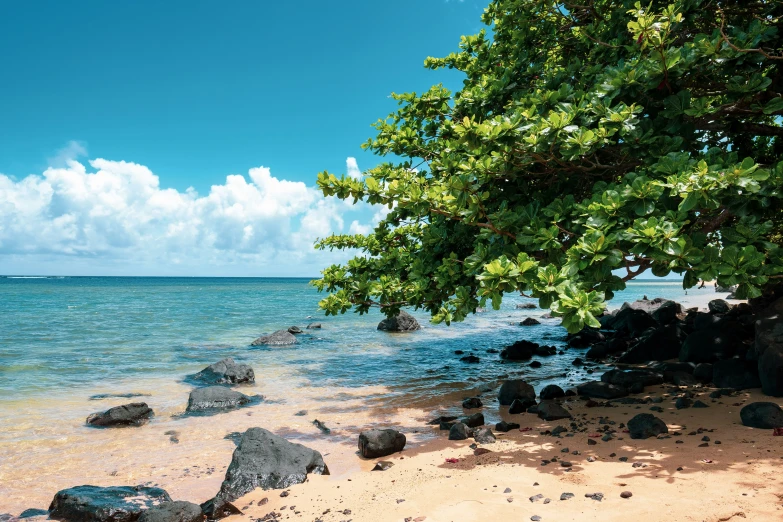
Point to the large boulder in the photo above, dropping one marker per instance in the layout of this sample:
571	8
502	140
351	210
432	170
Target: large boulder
550	411
601	390
215	398
380	443
264	460
225	371
656	345
519	351
763	415
110	504
178	511
608	347
402	322
459	431
134	414
516	389
703	346
278	338
627	379
645	425
630	321
550	392
736	373
718	306
769	348
667	311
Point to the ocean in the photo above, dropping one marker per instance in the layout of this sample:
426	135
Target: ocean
64	340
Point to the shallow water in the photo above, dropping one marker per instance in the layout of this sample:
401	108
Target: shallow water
63	340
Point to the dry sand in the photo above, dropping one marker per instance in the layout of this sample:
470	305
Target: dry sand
742	481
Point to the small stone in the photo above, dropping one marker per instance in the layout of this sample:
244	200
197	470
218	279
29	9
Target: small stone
623	459
507	490
382	465
595	496
704	444
536	498
590	459
591	442
566	496
535	518
626	494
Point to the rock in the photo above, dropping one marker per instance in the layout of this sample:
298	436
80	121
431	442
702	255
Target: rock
505	427
550	392
763	415
380	443
314	326
646	425
403	322
484	436
535	364
577	362
667	312
655	345
699	404
595	496
529	321
225	371
177	511
533	409
601	390
737	374
520	406
706	346
718	306
525	306
295	330
516	389
544	351
626	494
382	465
134	414
111	504
278	338
725	289
680	378
215	398
470	359
566	496
768	346
473	402
459	431
703	372
322	427
629	321
473	421
585	338
442	419
627	378
668	367
519	351
264	460
32	512
550	411
682	403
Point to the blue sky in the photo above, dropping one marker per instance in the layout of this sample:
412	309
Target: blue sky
111	111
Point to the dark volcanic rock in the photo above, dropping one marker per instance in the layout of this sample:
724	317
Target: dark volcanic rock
505	427
472	359
112	504
629	321
657	344
525	306
134	414
718	306
703	372
403	322
225	371
763	415
278	338
705	346
264	460
737	374
295	330
601	390
666	312
769	348
645	425
178	511
473	402
516	389
33	512
473	421
550	410
314	326
585	338
529	321
380	443
519	351
484	436
215	398
551	391
520	406
459	431
628	378
668	367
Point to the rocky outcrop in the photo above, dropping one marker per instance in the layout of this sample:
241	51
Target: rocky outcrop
178	511
380	443
278	338
264	460
657	344
645	425
629	321
110	504
769	348
225	371
763	415
705	346
215	398
529	321
134	414
402	322
517	389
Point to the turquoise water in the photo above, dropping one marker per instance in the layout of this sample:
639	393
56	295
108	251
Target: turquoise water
63	333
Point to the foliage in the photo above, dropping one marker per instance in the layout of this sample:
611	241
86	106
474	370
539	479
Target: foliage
589	144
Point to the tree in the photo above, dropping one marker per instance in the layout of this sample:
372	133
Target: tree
592	142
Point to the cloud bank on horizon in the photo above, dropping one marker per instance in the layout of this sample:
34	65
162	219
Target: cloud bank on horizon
113	218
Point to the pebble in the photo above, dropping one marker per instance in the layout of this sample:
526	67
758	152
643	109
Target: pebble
535	518
566	496
595	496
626	494
507	490
536	498
591	442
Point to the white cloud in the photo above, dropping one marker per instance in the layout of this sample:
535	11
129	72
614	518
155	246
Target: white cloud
112	217
352	168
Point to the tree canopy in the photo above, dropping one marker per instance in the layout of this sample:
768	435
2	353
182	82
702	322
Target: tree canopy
591	142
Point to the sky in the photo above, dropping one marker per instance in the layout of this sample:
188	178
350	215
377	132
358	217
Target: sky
185	137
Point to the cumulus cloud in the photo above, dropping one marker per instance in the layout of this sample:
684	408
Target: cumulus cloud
352	168
115	214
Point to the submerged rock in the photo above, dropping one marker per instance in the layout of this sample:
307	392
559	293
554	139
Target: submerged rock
529	321
380	443
278	338
225	371
110	504
178	511
294	330
264	460
519	351
134	414
763	415
215	398
403	322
